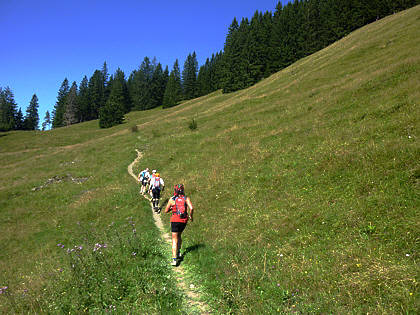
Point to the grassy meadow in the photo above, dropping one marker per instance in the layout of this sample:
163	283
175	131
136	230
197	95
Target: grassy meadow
306	189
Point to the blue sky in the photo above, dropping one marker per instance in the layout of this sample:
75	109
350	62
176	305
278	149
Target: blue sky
45	41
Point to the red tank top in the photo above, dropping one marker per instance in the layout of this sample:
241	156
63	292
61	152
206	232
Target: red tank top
179	210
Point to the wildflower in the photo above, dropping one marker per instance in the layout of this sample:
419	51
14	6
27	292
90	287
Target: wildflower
407	255
134	253
278	284
3	289
134	231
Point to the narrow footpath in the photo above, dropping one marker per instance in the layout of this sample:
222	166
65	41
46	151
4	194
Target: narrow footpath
192	296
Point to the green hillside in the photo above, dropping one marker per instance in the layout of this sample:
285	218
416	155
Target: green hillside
306	189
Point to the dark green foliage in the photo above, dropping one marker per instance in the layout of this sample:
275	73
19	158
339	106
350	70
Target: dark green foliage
113	112
193	124
32	118
145	85
47	121
158	85
83	101
119	84
19	120
59	107
8	110
70	115
96	94
173	91
269	42
189	77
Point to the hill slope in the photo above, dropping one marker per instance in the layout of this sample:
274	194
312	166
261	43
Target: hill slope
305	185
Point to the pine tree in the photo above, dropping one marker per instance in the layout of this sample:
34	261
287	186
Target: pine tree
156	92
72	107
32	118
8	110
120	82
231	58
113	112
96	87
189	76
19	120
105	74
47	121
59	107
140	88
83	101
173	91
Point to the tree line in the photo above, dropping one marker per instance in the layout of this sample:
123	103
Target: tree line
253	50
12	118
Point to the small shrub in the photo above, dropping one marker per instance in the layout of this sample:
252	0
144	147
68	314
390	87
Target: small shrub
134	128
193	124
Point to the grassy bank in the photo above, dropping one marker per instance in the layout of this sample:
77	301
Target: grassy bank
305	187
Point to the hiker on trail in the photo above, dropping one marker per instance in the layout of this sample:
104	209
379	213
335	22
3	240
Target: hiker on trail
143	178
178	205
150	179
156	185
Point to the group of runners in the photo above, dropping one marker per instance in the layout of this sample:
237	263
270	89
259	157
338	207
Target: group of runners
152	184
179	206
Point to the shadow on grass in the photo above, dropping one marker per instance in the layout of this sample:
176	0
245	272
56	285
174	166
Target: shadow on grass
190	249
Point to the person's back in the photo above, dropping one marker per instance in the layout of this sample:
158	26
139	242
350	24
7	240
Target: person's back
178	205
157	185
143	179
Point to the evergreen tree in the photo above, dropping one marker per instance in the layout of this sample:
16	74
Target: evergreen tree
72	107
83	101
105	74
157	86
113	112
96	88
189	77
173	91
140	85
231	58
47	121
32	118
121	85
8	110
19	120
59	107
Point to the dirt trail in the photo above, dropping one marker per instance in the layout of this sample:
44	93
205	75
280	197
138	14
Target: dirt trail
192	296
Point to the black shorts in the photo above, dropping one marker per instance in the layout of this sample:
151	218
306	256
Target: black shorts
156	193
144	182
178	227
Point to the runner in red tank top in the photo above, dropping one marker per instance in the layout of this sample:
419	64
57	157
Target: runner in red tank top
178	205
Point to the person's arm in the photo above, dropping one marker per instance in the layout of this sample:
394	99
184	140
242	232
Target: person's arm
168	206
189	204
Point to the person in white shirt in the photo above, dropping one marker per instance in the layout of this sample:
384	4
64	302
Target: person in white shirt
156	185
143	178
150	179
